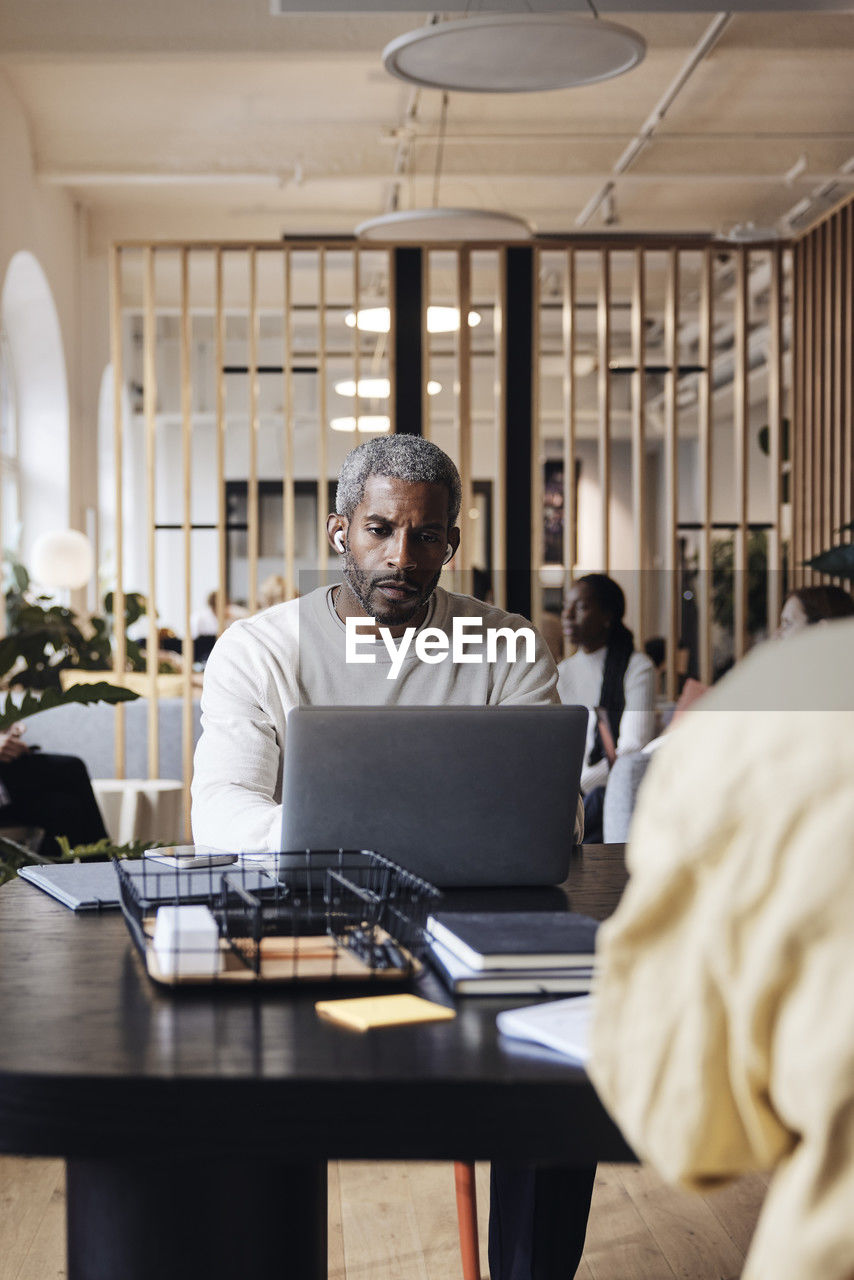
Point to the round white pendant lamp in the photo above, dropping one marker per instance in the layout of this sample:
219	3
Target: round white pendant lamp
62	559
445	224
514	53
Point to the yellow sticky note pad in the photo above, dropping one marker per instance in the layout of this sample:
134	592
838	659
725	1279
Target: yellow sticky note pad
366	1012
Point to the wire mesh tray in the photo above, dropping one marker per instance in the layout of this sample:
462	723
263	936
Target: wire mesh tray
316	916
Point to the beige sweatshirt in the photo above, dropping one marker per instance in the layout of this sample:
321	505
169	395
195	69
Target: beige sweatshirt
724	1029
295	654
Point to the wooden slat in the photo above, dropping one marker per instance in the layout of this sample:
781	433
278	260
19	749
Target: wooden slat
149	381
391	276
252	520
828	427
119	637
837	265
220	392
800	415
638	430
671	466
466	552
809	382
569	332
288	504
187	522
740	422
357	348
322	423
603	333
426	348
704	445
847	271
815	459
775	427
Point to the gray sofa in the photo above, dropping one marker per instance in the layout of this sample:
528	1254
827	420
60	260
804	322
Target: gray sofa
89	732
624	781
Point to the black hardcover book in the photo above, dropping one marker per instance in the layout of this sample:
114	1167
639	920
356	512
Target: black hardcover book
516	939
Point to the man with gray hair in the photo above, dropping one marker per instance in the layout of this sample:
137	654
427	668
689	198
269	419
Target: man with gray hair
394	528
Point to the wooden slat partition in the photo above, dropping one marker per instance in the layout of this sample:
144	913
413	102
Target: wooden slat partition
846	267
120	639
253	532
149	407
704	451
823	393
603	325
464	411
671	467
599	279
288	502
798	425
568	331
638	429
775	430
741	415
187	522
219	347
322	420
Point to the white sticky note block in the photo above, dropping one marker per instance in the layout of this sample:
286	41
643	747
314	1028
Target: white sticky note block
186	942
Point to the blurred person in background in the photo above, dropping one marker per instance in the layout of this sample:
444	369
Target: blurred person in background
610	677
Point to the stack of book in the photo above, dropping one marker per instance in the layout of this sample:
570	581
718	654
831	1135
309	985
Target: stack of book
512	952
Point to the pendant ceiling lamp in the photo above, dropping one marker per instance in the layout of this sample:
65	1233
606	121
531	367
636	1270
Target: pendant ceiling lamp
514	53
445	224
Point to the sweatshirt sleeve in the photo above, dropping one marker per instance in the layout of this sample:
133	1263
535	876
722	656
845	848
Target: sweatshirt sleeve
637	723
520	683
238	759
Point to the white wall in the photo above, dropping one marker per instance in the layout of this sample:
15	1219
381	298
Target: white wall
43	222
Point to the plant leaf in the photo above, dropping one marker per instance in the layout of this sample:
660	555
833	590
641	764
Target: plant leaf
837	561
32	703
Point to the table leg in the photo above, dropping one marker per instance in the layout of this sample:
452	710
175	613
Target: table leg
221	1219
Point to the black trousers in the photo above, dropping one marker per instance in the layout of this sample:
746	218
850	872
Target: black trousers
594	813
53	792
537	1221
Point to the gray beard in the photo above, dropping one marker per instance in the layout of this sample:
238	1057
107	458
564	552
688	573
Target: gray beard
386	612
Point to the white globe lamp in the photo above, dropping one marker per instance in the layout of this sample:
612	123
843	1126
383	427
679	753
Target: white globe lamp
62	559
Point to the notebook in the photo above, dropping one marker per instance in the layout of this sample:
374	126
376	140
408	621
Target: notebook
486	940
462	980
93	886
563	1025
461	796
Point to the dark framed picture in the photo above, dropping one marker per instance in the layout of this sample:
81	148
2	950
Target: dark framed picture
554	511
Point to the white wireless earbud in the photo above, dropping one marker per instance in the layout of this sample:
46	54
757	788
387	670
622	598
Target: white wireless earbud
339	541
448	554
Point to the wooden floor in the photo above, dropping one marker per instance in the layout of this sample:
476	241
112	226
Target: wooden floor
398	1222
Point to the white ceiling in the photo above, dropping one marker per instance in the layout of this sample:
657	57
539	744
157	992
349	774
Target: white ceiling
171	119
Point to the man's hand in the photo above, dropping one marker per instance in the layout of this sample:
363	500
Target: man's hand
11	746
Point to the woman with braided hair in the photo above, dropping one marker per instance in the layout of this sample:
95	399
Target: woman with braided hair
607	675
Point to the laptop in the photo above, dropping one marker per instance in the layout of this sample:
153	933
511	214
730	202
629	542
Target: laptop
461	796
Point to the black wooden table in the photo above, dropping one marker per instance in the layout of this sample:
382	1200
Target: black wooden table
197	1123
